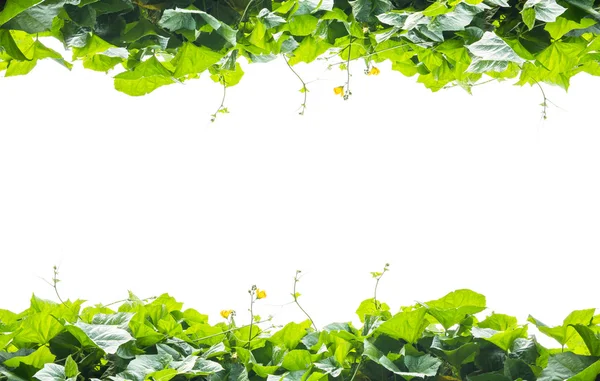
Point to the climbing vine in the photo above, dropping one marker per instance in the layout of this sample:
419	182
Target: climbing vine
147	44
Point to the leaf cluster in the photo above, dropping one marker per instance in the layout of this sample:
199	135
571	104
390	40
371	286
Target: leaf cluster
441	339
154	43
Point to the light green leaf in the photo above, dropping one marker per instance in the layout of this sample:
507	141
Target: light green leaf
457	19
36	359
297	359
13	8
455	306
191	59
289	336
407	326
365	10
143	79
564	366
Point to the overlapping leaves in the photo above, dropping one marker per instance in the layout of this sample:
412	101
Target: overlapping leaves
156	43
442	339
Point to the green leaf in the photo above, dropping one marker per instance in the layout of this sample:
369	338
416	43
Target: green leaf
560	57
452	308
71	369
590	336
192	60
545	10
144	365
297	359
143	79
372	307
53	372
13	8
564	366
498	322
407	326
457	19
309	49
503	339
106	337
36	359
491	53
302	25
365	10
290	335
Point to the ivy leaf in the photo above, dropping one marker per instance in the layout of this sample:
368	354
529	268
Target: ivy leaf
545	10
458	19
270	19
13	8
35	19
143	79
365	10
308	50
568	365
191	59
491	53
106	337
177	20
312	6
53	372
407	326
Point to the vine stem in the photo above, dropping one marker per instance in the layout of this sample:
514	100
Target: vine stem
304	89
295	295
222	106
252	291
244	14
378	278
356	369
348	93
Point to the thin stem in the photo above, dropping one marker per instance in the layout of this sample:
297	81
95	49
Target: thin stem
356	369
296	295
222	107
244	14
378	277
252	291
127	300
304	88
544	104
348	93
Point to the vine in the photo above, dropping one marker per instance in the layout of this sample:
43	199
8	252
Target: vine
441	43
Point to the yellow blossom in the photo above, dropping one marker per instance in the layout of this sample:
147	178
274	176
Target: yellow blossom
374	71
339	90
261	294
226	313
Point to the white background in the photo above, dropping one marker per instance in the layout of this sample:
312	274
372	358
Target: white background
145	194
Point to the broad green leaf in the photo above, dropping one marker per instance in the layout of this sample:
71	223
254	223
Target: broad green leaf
498	322
329	366
426	365
309	49
270	19
454	307
53	372
71	369
290	335
143	79
365	10
119	319
565	366
373	308
192	60
590	336
564	25
503	339
566	334
302	25
491	53
297	359
13	8
545	10
407	326
36	359
517	368
560	57
144	365
457	19
38	328
458	355
191	19
106	337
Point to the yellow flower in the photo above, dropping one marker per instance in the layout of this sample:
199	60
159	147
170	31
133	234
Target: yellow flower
339	90
261	294
226	313
374	71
